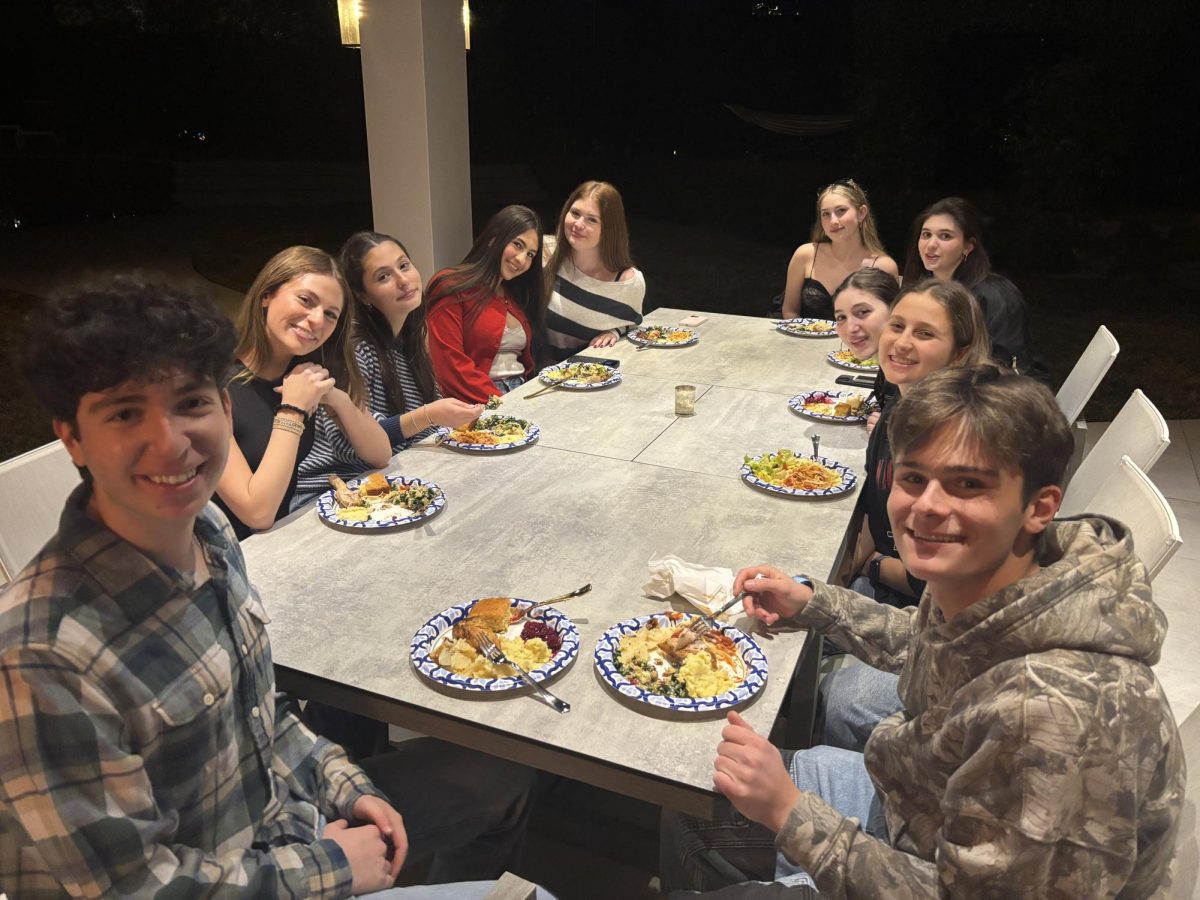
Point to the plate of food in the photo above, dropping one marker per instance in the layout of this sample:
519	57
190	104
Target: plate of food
488	434
655	660
847	407
810	328
794	475
443	651
848	360
663	336
379	502
577	376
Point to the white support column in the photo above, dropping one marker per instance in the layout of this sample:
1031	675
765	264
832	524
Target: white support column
415	91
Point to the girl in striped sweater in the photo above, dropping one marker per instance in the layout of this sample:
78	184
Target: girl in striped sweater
390	348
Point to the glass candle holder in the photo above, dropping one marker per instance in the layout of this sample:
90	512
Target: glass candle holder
685	399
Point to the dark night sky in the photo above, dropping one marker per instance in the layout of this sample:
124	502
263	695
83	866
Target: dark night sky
1074	106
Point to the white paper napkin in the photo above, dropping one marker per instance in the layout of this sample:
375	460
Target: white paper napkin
705	587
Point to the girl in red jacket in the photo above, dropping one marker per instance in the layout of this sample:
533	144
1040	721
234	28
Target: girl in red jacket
486	314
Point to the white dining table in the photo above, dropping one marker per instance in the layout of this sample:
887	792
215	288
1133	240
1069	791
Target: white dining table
615	479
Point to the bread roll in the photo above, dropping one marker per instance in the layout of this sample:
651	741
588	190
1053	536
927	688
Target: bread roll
375	485
495	612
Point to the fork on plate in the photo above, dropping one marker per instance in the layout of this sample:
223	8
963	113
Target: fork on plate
489	649
703	624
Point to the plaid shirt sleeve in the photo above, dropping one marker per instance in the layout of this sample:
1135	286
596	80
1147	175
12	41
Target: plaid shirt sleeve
317	769
88	808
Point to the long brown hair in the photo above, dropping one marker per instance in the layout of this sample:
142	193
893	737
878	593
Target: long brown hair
977	265
477	277
614	230
373	327
854	194
335	353
971	341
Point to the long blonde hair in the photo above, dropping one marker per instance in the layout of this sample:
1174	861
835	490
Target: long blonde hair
856	197
254	343
614	230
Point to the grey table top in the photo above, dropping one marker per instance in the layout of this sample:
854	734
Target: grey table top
615	480
736	352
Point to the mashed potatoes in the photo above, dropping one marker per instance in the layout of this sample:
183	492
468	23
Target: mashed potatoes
700	674
461	658
702	679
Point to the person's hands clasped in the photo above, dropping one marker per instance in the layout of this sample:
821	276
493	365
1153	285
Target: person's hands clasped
452	412
771	594
306	386
366	851
750	772
604	339
383	816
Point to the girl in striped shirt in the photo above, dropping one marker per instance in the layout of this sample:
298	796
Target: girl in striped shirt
390	348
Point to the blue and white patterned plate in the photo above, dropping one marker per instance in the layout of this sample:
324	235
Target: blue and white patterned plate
849	479
756	670
817	328
849	361
430	634
637	336
531	435
796	405
614	377
327	507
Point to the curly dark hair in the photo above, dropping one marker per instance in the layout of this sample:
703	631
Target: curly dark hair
123	330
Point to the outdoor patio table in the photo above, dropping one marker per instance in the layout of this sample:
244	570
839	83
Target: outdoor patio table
614	480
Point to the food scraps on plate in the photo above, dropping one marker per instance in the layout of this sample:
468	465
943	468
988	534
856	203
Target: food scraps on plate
380	499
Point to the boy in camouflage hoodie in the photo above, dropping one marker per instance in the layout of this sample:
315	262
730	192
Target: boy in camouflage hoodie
1035	754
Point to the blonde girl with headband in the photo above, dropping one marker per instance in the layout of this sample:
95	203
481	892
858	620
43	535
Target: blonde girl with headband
293	354
844	239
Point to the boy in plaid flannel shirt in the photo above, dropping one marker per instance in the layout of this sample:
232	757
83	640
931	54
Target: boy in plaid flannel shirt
141	749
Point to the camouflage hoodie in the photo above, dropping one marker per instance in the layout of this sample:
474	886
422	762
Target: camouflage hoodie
1035	756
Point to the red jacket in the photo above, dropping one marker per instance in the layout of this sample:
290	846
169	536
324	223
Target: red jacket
462	356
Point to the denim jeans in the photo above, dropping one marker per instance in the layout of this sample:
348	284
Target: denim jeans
511	383
856	698
839	777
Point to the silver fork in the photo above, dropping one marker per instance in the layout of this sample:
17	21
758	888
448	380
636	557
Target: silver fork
703	624
496	655
524	614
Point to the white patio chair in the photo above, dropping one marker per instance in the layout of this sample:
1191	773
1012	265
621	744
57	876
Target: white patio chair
33	488
1131	497
1089	370
1139	431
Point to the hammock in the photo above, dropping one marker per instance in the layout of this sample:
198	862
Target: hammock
792	123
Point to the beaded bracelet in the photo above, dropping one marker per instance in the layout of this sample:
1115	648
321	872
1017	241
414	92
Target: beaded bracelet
293	408
287	423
